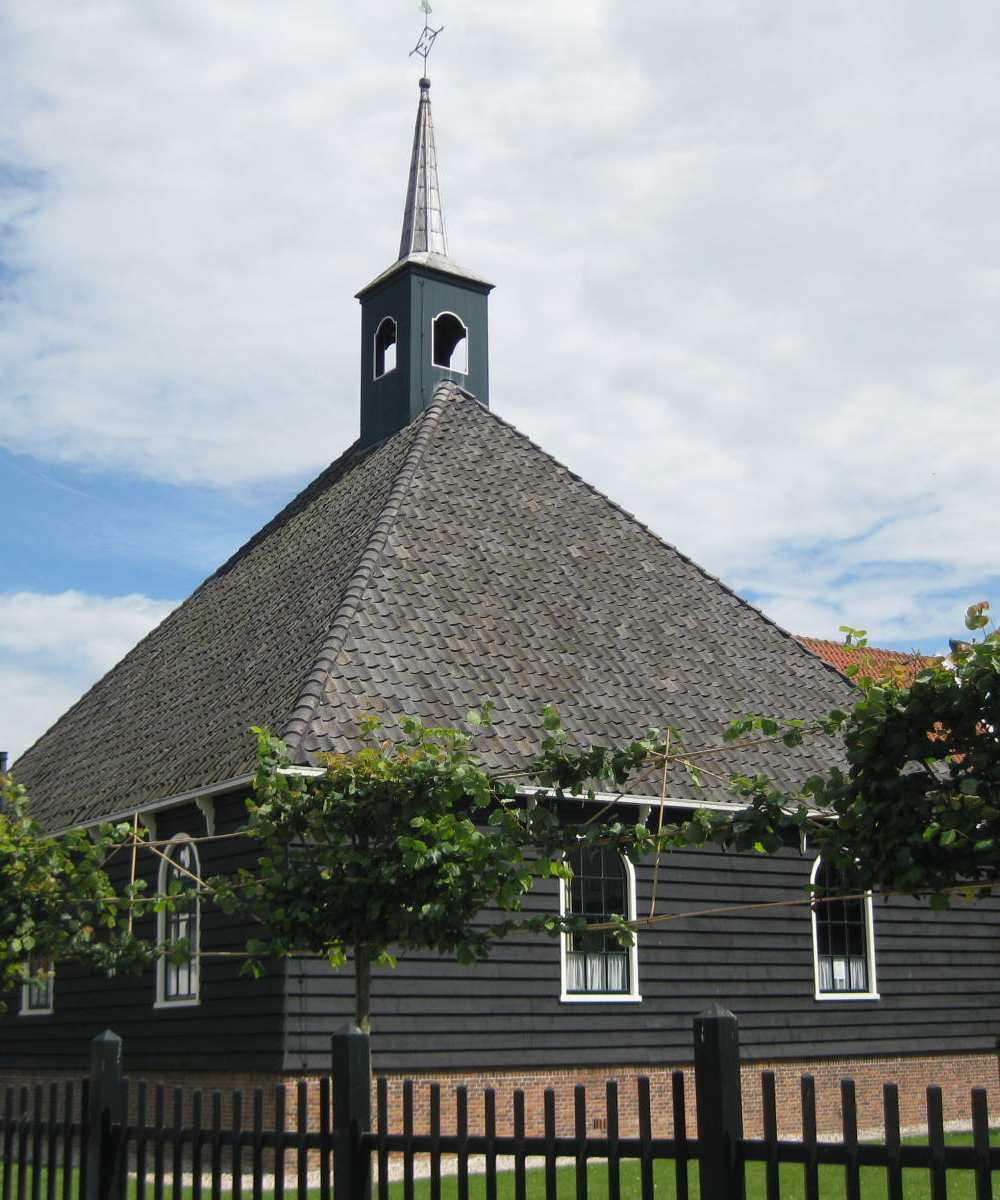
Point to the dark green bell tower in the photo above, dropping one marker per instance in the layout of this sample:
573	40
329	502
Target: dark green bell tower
424	319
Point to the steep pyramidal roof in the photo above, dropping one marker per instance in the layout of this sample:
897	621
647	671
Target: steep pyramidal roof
452	564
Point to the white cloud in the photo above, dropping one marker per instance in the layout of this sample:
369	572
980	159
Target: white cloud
744	256
53	647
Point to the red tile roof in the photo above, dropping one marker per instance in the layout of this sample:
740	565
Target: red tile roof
872	660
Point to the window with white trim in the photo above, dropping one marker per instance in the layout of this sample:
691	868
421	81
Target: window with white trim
179	982
385	347
450	342
38	989
595	965
843	936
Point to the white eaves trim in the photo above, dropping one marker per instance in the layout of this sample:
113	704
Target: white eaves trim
526	793
196	794
648	802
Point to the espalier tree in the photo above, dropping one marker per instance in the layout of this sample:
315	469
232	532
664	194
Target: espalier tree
400	846
416	845
56	899
916	809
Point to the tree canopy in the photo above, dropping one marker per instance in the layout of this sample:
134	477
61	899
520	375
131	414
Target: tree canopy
916	809
57	901
406	845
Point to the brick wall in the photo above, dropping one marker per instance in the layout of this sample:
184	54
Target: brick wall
955	1074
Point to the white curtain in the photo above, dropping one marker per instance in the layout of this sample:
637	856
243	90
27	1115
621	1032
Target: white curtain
601	972
843	974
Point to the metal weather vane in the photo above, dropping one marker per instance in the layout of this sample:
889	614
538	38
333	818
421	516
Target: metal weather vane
426	40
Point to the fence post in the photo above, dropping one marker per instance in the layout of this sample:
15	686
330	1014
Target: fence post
719	1104
105	1175
352	1113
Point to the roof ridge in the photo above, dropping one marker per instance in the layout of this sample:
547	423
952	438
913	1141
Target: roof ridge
653	534
312	689
341	465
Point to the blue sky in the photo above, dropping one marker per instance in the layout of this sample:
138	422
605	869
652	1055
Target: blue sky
111	535
746	268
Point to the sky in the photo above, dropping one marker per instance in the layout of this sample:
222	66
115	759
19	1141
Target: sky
746	267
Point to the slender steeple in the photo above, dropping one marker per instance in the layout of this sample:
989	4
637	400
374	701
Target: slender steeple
424	318
423	218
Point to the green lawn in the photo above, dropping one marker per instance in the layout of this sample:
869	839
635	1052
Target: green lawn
961	1185
915	1183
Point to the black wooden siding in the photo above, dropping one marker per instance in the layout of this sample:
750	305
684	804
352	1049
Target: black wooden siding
938	975
237	1025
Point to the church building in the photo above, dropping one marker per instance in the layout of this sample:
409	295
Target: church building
442	561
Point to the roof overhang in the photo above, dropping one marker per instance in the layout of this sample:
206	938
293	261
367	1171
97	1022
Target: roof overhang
210	790
684	803
238	782
428	263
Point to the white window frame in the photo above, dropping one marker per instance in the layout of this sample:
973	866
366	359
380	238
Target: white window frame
31	990
385	356
168	926
632	996
869	927
463	341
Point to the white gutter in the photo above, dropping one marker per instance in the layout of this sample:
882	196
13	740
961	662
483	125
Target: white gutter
240	781
605	798
649	802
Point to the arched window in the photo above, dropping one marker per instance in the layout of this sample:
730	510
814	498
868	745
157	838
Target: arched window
595	965
843	945
178	982
385	347
451	343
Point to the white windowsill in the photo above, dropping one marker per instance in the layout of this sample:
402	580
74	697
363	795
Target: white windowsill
598	998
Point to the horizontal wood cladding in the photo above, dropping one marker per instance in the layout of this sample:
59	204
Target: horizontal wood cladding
235	1021
938	976
737	931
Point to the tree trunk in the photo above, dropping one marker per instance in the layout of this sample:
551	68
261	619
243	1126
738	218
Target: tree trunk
362	989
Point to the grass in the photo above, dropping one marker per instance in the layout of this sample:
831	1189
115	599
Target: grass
916	1185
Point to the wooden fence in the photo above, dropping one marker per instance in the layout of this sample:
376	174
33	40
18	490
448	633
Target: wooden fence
103	1138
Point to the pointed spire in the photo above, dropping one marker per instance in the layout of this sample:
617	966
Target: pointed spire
424	319
423	219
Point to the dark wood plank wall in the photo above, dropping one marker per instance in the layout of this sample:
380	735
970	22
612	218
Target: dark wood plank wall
237	1025
938	975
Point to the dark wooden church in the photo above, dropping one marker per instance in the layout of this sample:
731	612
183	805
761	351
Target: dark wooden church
442	561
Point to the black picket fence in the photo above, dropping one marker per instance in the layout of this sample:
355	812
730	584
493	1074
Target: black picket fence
106	1139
